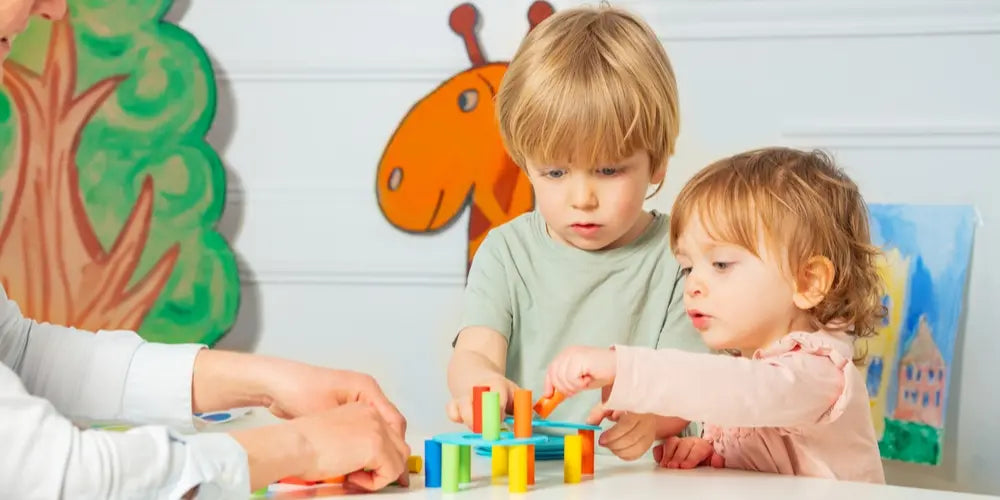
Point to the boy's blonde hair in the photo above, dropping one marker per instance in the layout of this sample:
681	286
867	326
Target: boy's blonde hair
800	202
590	86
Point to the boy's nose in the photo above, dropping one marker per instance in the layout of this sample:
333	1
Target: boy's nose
52	10
582	196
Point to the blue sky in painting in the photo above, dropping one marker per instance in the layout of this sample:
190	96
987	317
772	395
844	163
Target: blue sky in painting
939	239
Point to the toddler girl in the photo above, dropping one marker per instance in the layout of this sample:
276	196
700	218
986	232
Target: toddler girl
778	267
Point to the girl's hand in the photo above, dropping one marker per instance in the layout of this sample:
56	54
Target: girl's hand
580	368
687	453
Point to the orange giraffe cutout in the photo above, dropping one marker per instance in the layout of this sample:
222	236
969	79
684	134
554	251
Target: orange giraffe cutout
447	150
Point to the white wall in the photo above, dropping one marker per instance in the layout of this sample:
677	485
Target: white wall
905	92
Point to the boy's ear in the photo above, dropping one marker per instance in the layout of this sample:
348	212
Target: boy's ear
813	282
659	173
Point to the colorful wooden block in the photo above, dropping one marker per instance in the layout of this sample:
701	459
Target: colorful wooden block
517	470
464	464
491	416
449	467
531	464
546	405
414	464
477	407
522	413
587	451
572	458
432	465
499	462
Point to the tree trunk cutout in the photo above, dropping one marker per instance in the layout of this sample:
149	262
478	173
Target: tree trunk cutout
51	261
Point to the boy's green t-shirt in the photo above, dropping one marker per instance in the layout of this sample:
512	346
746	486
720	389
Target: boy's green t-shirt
543	296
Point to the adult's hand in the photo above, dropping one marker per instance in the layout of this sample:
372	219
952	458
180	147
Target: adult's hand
350	440
289	389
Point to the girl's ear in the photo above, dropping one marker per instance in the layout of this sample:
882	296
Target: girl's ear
813	282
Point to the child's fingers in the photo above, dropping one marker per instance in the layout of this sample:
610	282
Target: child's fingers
454	413
669	448
549	388
683	450
718	461
699	452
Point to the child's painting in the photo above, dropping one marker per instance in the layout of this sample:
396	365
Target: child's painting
927	252
446	154
109	193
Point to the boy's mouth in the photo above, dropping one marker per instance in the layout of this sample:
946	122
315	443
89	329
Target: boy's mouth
585	228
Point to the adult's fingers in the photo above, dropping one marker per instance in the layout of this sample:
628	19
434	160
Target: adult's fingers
385	465
392	416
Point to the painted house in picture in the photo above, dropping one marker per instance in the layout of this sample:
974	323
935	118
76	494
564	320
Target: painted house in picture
921	380
926	253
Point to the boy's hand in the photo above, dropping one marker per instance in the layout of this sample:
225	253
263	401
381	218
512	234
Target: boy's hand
579	368
632	434
687	453
460	408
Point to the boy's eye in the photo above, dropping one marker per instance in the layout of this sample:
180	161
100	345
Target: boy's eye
609	171
555	174
685	271
721	266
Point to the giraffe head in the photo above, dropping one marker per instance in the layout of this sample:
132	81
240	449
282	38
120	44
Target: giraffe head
448	142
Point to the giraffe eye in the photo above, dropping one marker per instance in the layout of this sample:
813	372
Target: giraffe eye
468	100
395	178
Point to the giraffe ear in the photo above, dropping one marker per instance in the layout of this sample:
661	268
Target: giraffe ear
538	12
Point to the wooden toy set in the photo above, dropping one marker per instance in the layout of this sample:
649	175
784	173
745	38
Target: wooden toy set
448	457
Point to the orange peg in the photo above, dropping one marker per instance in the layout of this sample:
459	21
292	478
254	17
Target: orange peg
531	464
544	406
587	452
522	413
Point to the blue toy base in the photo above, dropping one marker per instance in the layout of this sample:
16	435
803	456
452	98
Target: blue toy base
473	439
552	449
541	422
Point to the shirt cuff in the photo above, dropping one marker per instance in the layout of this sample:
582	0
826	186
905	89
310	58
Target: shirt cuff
215	463
158	386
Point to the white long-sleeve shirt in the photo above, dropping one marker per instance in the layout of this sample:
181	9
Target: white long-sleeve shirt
52	376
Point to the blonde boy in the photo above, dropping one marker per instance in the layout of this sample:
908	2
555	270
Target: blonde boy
588	108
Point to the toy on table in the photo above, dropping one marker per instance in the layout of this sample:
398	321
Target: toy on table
448	457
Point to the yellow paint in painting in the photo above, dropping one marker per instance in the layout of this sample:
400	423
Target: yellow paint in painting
894	271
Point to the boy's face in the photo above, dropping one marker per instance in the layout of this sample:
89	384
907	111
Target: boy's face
594	207
734	298
14	16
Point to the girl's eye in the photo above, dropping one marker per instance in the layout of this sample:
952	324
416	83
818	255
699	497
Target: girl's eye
555	174
609	171
721	266
685	271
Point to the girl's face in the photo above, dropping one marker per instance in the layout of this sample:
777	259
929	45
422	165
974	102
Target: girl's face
736	299
14	16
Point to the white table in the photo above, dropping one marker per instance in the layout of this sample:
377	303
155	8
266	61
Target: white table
615	479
